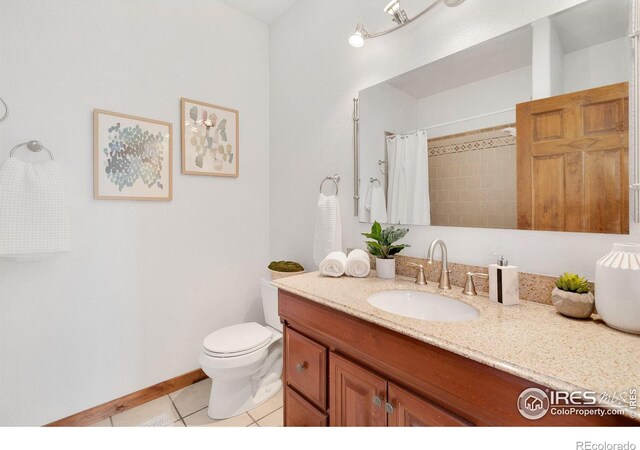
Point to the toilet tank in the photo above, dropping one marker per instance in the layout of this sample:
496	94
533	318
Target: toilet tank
270	304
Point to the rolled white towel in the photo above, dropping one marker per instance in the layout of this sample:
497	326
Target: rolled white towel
358	264
334	264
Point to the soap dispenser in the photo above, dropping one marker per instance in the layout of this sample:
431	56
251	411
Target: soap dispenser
504	287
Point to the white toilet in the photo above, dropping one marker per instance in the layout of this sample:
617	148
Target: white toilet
244	361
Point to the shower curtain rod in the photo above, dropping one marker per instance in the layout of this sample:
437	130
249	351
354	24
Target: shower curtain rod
454	122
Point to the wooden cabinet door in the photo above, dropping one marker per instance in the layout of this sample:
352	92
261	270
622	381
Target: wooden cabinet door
410	410
572	161
356	396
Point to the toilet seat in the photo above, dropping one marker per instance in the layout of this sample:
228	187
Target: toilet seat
237	340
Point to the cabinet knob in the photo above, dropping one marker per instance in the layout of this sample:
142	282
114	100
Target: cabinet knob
377	401
301	366
388	407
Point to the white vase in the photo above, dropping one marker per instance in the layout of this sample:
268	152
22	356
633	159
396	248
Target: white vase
386	268
618	287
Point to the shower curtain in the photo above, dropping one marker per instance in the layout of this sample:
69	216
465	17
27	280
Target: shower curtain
408	192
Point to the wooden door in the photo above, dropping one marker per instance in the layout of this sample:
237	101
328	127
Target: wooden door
356	395
572	161
410	410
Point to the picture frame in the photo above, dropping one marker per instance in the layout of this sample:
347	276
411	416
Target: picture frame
210	139
133	157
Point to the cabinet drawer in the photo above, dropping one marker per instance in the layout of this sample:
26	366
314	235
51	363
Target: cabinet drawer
306	365
301	413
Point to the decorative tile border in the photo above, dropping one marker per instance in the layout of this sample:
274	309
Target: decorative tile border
472	140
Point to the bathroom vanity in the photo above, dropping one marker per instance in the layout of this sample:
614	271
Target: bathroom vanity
347	363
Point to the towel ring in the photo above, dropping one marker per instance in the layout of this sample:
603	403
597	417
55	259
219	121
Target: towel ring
6	110
33	146
335	179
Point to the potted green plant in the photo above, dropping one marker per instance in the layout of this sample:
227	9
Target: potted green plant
283	269
572	296
382	247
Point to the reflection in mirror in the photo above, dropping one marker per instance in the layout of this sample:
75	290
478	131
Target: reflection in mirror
528	130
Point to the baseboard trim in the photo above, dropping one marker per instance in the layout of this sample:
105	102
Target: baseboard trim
108	409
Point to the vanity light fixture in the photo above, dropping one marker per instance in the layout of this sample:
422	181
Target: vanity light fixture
394	10
357	38
400	17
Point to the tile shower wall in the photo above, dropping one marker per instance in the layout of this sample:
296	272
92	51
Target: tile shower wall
472	179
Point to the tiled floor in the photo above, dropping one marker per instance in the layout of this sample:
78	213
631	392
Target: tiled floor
188	407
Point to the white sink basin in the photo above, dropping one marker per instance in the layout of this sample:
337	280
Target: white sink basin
423	305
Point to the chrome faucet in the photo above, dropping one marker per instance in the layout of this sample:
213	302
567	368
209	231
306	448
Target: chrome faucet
444	276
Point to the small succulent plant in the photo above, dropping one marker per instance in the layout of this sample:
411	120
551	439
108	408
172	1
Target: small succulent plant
571	282
382	244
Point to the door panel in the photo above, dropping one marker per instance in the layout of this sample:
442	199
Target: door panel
548	200
411	410
602	171
548	125
603	117
572	161
352	391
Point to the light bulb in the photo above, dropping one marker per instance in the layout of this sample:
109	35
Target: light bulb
392	8
357	38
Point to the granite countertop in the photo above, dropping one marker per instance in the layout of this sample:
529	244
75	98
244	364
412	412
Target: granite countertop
529	340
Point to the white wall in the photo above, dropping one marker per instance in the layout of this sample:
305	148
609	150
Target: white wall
382	108
492	94
599	65
145	281
315	74
547	60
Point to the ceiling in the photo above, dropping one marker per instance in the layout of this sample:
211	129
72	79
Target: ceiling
267	11
591	23
502	54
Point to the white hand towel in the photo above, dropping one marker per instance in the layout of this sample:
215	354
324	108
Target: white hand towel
358	264
367	198
34	219
334	264
378	205
328	231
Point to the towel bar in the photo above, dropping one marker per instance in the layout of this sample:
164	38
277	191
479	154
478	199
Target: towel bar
6	110
33	146
335	179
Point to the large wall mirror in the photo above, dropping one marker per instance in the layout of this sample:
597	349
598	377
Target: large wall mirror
529	130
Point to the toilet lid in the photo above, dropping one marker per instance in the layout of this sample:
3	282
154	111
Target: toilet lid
237	338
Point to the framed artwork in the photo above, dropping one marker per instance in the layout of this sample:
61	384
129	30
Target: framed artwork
132	157
210	139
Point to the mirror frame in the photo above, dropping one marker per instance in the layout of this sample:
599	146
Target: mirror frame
634	129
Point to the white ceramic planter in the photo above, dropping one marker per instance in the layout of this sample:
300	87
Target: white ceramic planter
618	287
386	268
275	275
570	304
